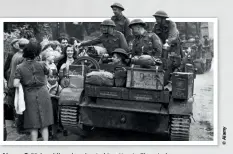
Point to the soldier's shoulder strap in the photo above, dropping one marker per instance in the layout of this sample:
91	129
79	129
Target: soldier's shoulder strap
125	19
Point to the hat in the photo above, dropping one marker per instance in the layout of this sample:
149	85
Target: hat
23	41
118	5
161	13
108	22
137	22
14	41
197	37
121	51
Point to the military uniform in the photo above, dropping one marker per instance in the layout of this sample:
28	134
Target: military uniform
110	42
206	45
199	50
147	43
168	31
122	24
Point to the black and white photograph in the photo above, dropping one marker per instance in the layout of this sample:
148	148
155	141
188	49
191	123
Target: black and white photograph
110	79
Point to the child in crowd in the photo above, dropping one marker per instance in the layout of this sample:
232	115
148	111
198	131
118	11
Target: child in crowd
50	62
54	90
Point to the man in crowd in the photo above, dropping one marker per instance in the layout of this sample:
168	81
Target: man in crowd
16	60
110	38
63	40
167	30
122	22
144	42
15	49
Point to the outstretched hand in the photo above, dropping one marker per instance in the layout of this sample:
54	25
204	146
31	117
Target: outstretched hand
46	38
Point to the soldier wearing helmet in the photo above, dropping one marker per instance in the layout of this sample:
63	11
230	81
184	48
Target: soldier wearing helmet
167	30
110	38
121	21
119	57
199	48
144	42
206	43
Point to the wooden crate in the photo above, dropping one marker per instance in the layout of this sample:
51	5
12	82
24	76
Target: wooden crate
182	85
145	78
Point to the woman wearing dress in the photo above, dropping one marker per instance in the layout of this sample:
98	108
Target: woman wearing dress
32	75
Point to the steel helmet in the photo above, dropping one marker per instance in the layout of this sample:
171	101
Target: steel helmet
160	13
196	37
108	22
137	22
121	51
118	5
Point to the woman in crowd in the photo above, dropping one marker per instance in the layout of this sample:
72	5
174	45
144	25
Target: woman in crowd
32	75
69	57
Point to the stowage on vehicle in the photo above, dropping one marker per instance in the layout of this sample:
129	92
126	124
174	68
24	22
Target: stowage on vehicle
143	95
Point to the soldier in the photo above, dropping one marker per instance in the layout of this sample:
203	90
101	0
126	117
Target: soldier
199	48
206	43
183	39
167	30
144	42
121	21
110	38
119	57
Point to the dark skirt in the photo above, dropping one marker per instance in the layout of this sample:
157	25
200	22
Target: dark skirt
39	111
